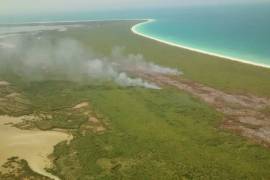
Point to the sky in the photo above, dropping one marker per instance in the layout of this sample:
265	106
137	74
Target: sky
35	6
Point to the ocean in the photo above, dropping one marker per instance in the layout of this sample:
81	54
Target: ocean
239	31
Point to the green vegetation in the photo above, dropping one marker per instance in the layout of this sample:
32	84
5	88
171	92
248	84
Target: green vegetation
151	134
212	71
159	135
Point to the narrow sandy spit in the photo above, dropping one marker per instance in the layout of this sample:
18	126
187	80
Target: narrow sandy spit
32	145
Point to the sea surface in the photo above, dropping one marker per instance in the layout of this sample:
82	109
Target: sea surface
239	31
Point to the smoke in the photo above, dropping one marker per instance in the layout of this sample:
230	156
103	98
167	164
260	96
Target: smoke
137	63
11	29
124	80
45	58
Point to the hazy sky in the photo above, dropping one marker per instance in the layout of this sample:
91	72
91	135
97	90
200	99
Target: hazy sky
29	6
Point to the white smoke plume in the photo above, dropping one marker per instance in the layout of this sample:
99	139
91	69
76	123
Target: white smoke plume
44	58
14	29
106	70
137	62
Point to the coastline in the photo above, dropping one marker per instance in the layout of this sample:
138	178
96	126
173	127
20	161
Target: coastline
135	31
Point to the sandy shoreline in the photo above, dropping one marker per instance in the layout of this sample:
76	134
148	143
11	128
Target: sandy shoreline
146	21
135	31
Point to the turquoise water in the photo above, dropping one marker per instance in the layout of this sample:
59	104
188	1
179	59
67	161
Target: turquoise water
239	31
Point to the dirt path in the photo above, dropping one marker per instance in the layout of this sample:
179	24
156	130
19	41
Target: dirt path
244	114
34	146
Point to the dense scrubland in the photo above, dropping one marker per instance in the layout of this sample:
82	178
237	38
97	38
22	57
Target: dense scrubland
122	132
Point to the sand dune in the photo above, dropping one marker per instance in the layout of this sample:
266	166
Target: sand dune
32	145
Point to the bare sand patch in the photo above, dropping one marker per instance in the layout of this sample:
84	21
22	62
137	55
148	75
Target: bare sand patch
12	95
4	83
81	105
93	120
100	128
94	123
32	145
